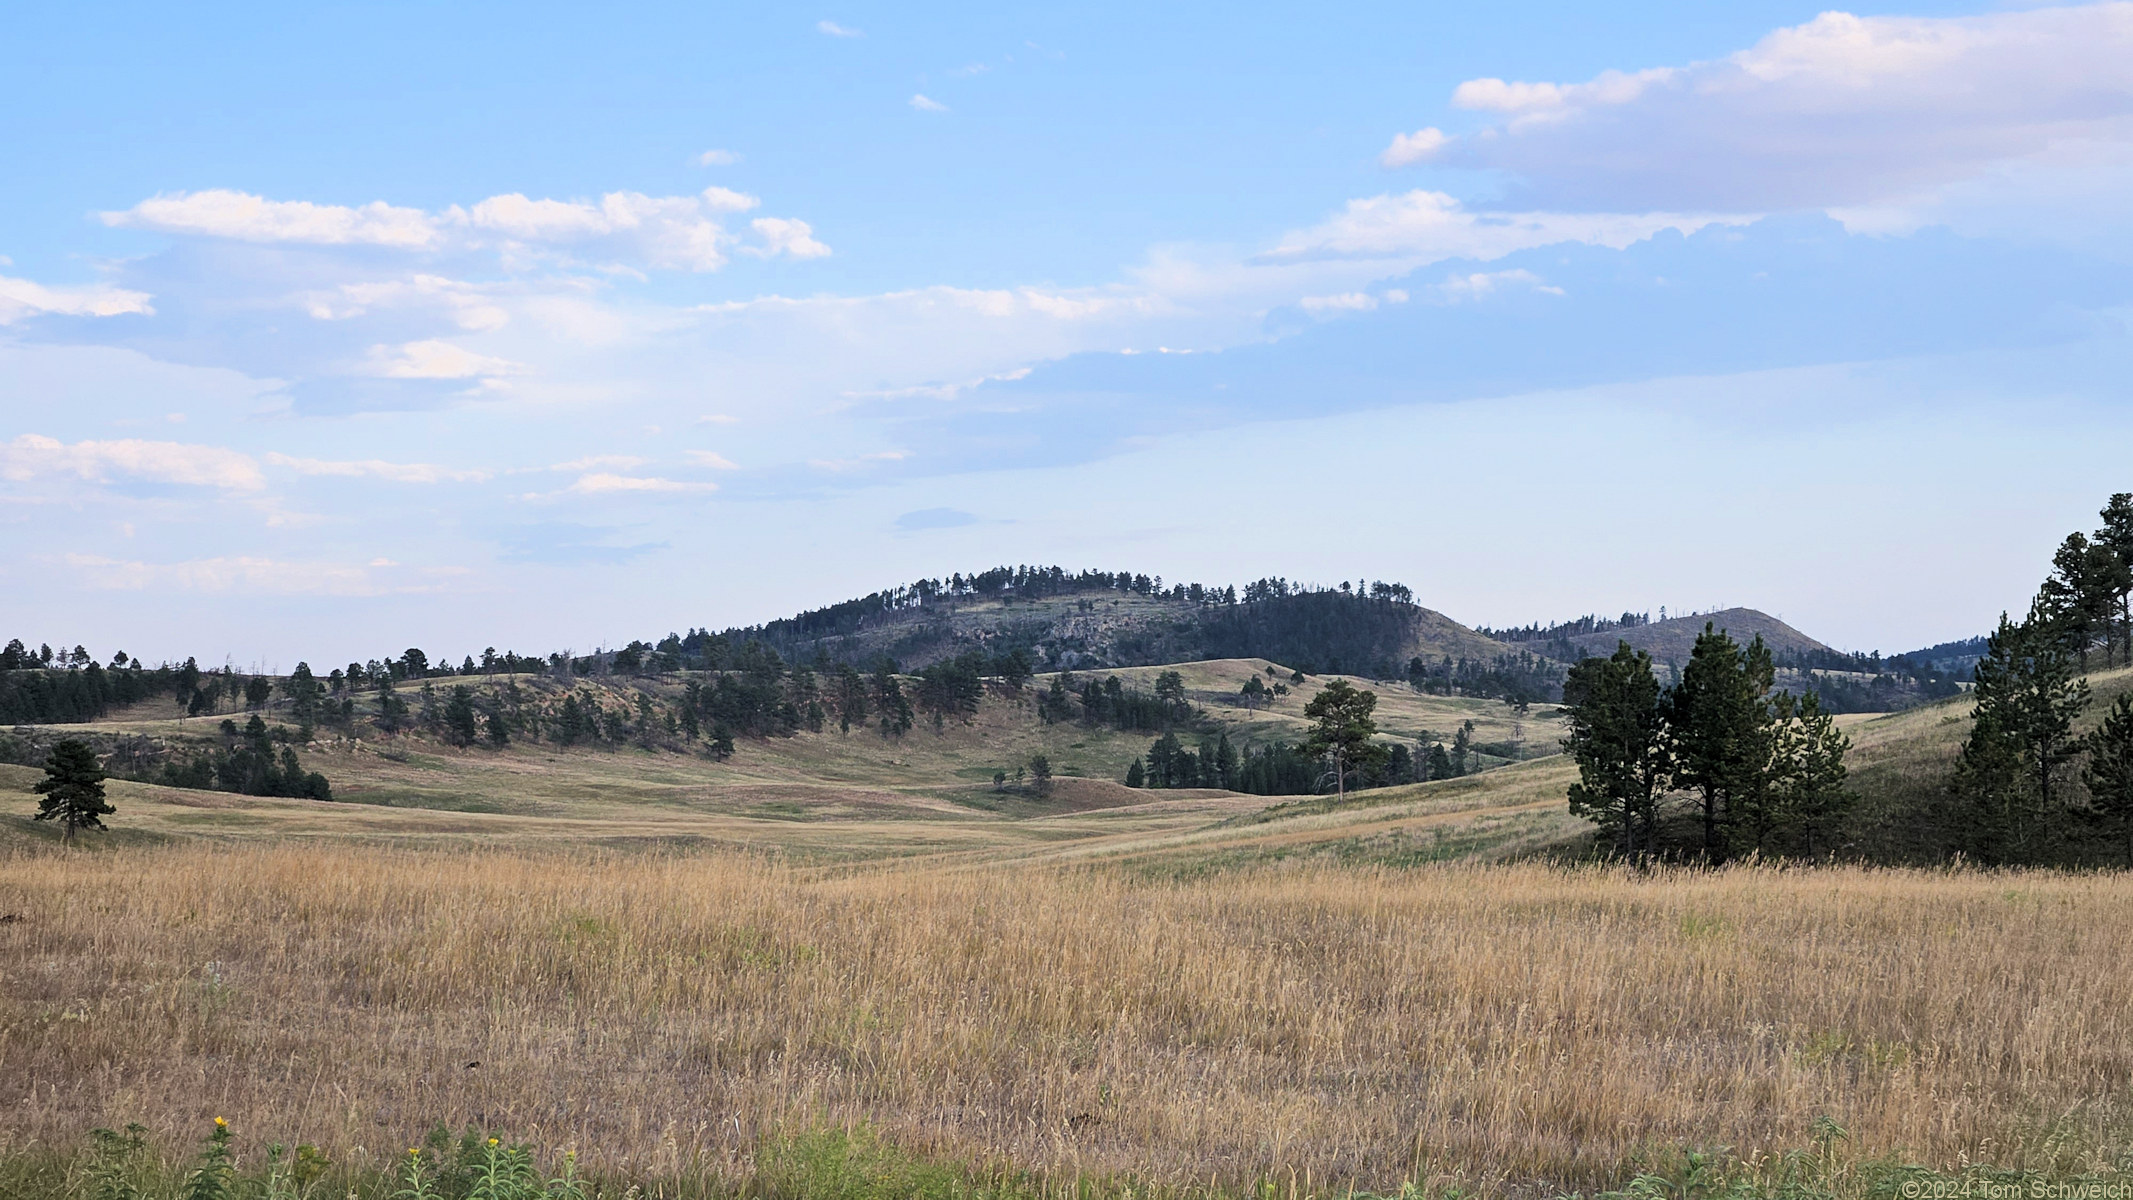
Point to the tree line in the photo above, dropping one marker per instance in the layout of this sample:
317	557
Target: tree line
2027	788
1763	772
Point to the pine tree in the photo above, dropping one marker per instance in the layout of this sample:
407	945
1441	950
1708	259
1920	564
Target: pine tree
1136	775
73	789
499	731
1343	730
2109	774
1462	745
1618	739
304	693
1808	772
2117	537
2022	738
1721	725
461	722
1040	774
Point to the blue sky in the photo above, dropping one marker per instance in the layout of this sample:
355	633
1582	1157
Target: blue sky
324	334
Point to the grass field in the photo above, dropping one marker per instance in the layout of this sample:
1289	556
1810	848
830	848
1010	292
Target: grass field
678	966
663	1012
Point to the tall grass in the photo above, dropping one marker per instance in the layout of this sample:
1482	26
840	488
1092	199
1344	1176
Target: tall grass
671	1016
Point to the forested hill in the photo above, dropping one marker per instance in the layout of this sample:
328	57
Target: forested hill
1105	619
1671	641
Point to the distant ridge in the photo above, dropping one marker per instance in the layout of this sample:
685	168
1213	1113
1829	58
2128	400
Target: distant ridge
1097	619
1670	641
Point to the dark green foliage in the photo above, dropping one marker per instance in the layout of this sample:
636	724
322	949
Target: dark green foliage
462	724
848	695
215	1176
1722	728
72	789
1125	709
32	693
1343	730
1040	774
1809	774
571	724
952	687
498	729
392	710
1276	770
889	701
249	766
1520	678
256	691
2109	776
2011	775
1437	764
1618	737
1136	775
720	745
305	694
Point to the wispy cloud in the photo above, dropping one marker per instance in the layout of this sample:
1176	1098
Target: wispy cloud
925	103
717	158
30	456
602	482
372	468
20	298
662	232
833	29
252	575
436	359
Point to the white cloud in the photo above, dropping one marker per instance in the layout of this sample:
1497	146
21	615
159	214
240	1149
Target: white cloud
372	468
252	575
835	30
1410	148
719	199
666	231
841	465
1843	110
1483	283
596	462
1344	302
31	456
662	232
1428	226
603	482
717	158
436	359
782	235
713	460
925	103
469	306
219	212
20	298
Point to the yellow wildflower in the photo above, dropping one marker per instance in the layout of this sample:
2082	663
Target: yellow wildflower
221	1124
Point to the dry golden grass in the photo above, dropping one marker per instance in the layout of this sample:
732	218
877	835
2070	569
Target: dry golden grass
1506	1024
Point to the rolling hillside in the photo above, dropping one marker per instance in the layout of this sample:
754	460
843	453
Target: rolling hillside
1081	628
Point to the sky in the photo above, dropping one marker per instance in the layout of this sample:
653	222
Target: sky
328	333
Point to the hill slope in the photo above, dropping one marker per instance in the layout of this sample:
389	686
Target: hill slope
1671	641
1081	629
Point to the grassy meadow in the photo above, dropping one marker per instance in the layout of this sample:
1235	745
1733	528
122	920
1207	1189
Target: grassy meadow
665	1013
685	969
